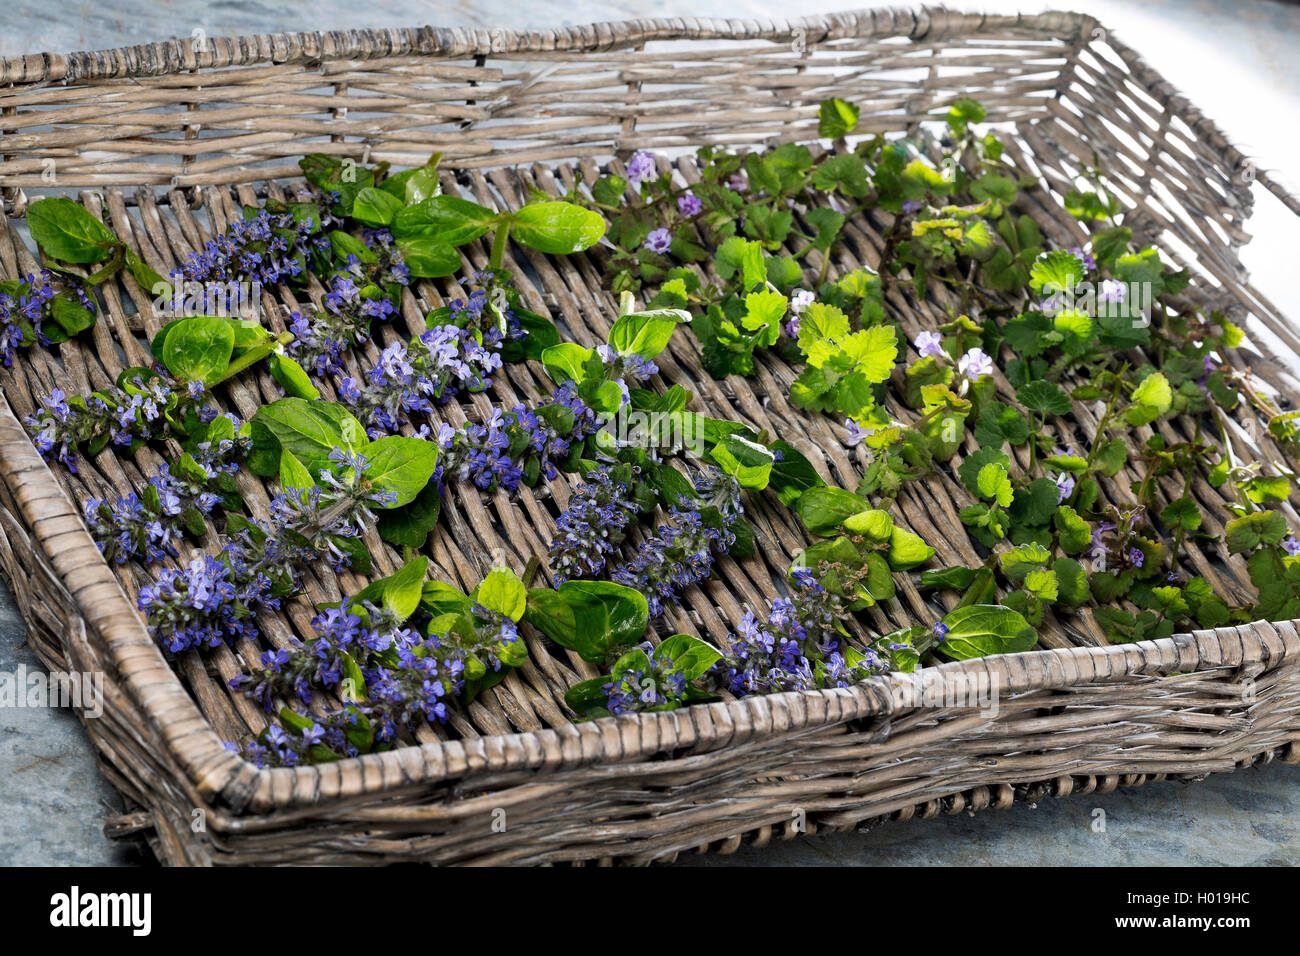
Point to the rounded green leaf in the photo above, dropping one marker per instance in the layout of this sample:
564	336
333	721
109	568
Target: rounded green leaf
198	349
558	227
429	258
449	219
375	207
979	630
64	230
503	592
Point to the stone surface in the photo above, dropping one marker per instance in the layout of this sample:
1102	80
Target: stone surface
1234	60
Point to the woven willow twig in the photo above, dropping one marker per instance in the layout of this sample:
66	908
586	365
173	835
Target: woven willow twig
223	126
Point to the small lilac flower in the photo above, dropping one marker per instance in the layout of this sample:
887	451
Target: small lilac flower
689	205
1136	557
975	364
659	241
801	299
1112	290
1088	262
1064	486
1209	365
737	183
1291	546
940	632
911	205
929	344
855	433
640	168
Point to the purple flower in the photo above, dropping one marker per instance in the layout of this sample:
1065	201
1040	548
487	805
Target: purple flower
929	344
659	241
854	435
798	647
1064	486
1112	290
640	168
1088	262
737	183
911	205
1291	546
682	551
801	299
1136	557
689	205
975	364
592	527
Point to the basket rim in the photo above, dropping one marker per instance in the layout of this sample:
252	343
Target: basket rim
231	782
187	54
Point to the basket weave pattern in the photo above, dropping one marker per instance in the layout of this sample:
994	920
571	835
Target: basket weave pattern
178	138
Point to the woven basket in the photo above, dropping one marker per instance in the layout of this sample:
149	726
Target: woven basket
175	137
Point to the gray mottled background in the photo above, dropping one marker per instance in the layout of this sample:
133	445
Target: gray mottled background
1237	61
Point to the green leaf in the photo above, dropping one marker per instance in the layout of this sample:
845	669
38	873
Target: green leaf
1042	584
558	228
691	656
1072	582
592	617
292	377
566	361
67	231
875	525
1020	561
994	186
502	591
1151	399
293	474
963	112
969	470
823	509
310	430
72	317
1111	456
429	258
907	550
1035	503
793	474
400	592
448	219
409	526
994	484
979	630
749	462
375	207
198	349
1074	533
402	465
1054	272
1000	423
645	333
1181	513
836	118
1047	398
1252	530
952	579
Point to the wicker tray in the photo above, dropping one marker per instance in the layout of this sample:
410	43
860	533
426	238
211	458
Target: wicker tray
177	136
